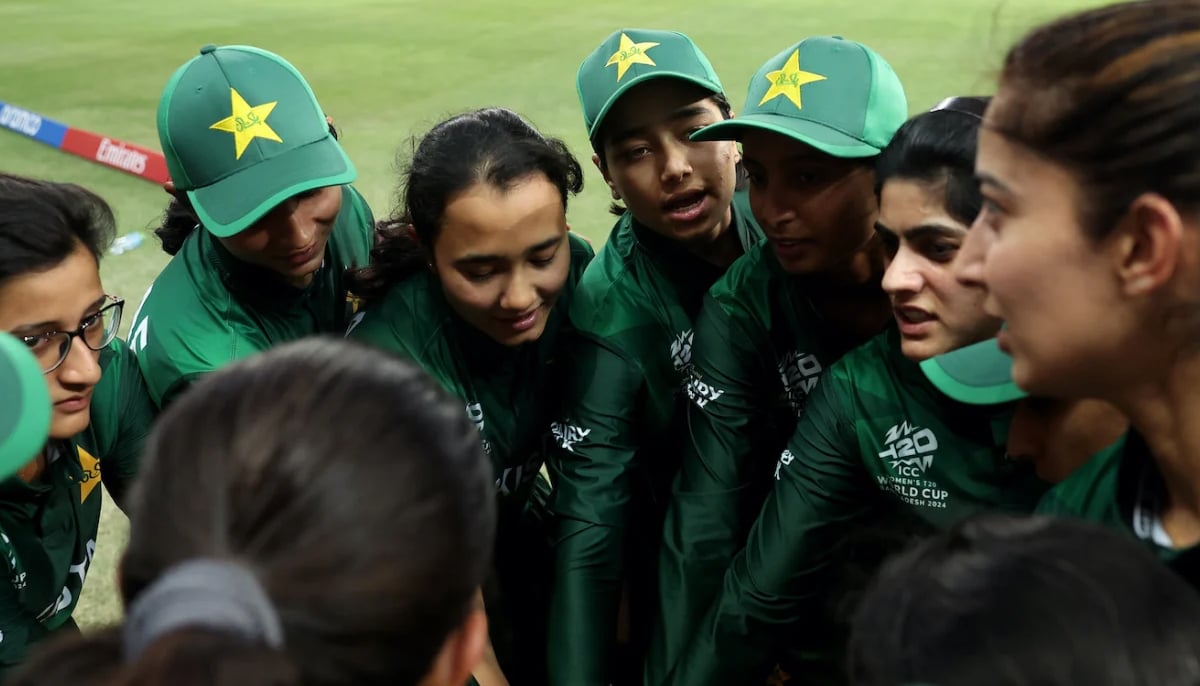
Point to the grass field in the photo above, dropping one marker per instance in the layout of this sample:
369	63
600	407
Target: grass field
388	69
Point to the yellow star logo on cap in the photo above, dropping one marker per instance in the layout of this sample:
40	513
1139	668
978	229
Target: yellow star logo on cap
787	81
629	54
247	123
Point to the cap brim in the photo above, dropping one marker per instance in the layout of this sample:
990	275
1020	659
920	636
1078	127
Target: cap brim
25	414
817	135
979	374
624	88
232	204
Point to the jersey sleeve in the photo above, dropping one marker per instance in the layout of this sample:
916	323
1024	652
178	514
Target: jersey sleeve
18	630
707	517
132	413
373	327
820	489
591	460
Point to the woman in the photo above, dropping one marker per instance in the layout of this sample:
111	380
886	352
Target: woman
643	93
876	441
52	301
255	164
1005	601
254	567
473	284
782	314
1089	178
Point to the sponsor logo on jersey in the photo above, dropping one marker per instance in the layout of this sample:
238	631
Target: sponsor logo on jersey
908	452
66	598
568	434
701	393
784	460
681	350
475	414
120	156
800	373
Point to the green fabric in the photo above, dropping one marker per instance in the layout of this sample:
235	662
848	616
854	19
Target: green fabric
759	352
24	405
629	57
615	451
979	374
835	95
509	394
207	308
241	132
49	526
1108	490
875	437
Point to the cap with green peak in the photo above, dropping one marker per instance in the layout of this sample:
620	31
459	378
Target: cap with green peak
979	374
835	95
24	406
631	56
242	132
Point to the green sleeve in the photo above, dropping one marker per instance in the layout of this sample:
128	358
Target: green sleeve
709	513
135	413
373	327
591	462
821	488
19	630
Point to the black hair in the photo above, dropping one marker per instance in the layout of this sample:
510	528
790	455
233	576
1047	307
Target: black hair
1014	601
370	530
938	147
601	137
495	146
180	218
42	223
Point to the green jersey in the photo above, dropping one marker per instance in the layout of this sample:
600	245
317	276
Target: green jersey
759	350
509	393
1121	488
876	439
208	308
614	454
48	527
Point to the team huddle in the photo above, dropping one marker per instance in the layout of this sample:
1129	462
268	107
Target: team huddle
832	403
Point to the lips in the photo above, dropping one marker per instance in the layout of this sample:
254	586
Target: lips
687	206
300	257
790	249
75	403
521	323
913	321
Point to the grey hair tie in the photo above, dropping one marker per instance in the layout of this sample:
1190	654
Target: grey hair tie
204	593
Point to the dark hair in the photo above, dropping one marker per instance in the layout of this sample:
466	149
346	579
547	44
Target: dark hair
42	222
347	481
1109	94
1010	601
938	147
180	219
493	146
601	137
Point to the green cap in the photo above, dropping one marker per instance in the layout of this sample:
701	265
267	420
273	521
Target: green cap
629	57
24	414
979	374
835	95
242	132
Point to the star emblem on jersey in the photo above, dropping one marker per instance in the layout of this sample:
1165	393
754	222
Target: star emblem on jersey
628	54
247	123
91	473
787	81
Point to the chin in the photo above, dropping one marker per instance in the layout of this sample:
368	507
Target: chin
919	350
64	426
513	339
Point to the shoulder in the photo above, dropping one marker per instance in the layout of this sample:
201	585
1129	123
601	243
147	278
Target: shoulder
615	292
748	283
407	319
1091	491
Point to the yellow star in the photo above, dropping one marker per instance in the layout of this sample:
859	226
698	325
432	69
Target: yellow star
629	54
91	473
787	81
247	123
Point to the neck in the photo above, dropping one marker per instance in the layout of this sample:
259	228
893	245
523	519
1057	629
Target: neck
860	273
1164	411
721	246
300	281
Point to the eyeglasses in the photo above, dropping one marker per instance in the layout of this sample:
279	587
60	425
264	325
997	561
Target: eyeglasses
96	331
